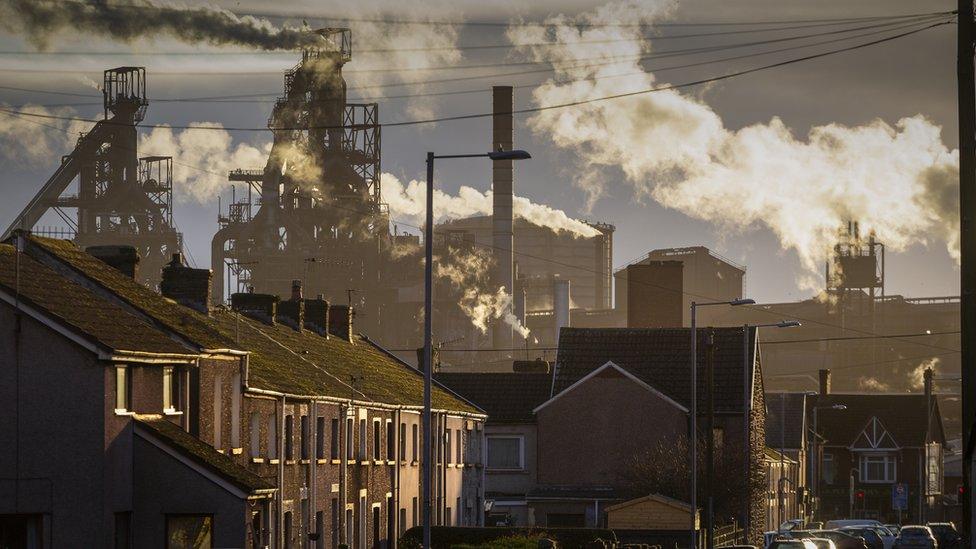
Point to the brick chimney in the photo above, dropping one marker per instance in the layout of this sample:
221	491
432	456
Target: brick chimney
435	359
927	382
317	315
185	285
260	307
124	259
824	382
340	321
292	312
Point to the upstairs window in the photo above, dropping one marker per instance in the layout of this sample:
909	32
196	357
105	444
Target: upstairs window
377	439
171	389
403	442
390	441
255	435
123	389
273	437
320	437
334	440
415	441
505	453
878	468
303	433
362	439
289	438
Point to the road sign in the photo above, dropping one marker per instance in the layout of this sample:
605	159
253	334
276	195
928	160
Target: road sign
899	497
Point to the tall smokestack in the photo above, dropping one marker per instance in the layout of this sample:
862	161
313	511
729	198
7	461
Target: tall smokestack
503	183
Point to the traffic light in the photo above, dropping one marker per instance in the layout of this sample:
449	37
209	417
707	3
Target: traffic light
960	490
859	495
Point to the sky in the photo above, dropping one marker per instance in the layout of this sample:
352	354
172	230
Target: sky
888	82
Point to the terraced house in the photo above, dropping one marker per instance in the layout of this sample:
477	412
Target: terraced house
134	419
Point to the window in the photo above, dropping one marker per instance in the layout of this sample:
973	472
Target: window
829	468
350	525
171	389
289	438
403	442
390	441
377	441
350	447
362	439
273	437
334	448
255	435
320	438
320	524
335	519
189	531
376	525
415	442
218	415
505	452
123	389
361	521
235	411
933	469
416	518
303	436
403	521
880	468
447	446
289	529
458	445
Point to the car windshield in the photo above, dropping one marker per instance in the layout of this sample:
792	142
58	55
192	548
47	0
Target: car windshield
914	531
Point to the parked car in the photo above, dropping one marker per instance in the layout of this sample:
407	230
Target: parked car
916	537
842	540
786	543
871	537
842	523
887	537
946	534
893	528
823	543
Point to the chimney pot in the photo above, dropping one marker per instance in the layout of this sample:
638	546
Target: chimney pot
185	285
825	382
927	376
340	321
124	259
296	290
317	315
260	307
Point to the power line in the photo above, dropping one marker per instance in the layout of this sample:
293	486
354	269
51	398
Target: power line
866	364
528	110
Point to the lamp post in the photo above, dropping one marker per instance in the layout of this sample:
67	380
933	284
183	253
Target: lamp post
816	453
747	406
693	431
428	313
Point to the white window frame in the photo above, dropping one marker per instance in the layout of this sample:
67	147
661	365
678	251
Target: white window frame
123	385
521	441
255	435
890	462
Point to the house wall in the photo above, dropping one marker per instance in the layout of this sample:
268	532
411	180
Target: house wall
876	504
512	486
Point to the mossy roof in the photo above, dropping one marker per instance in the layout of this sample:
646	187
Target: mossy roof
80	310
282	359
202	453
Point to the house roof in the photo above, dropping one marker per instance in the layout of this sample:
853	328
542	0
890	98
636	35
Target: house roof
658	498
507	397
203	454
659	357
785	414
281	359
903	415
78	309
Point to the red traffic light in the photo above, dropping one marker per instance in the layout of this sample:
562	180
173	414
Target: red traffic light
859	494
961	490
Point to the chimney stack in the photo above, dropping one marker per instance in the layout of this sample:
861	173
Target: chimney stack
292	312
124	259
927	377
340	321
317	315
260	307
824	382
503	187
185	285
435	359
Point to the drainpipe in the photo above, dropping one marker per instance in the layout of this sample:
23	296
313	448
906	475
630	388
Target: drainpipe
481	489
313	457
344	471
396	480
279	527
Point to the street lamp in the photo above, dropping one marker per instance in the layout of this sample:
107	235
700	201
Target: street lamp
816	453
693	443
428	313
747	404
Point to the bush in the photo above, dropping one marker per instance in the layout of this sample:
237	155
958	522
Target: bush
508	542
449	537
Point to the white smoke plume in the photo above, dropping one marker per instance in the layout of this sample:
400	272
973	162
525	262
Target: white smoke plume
917	376
40	20
202	159
31	142
873	384
408	202
466	271
898	180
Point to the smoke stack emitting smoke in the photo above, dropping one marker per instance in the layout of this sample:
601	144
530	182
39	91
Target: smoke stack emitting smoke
39	20
897	180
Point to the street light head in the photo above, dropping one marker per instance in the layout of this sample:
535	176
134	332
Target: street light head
517	154
789	324
838	407
744	301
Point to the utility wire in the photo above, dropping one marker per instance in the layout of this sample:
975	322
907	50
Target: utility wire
528	110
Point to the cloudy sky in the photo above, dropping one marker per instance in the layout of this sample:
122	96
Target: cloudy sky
732	165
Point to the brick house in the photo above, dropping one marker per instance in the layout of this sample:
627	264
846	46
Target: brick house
141	420
787	423
873	445
510	434
619	391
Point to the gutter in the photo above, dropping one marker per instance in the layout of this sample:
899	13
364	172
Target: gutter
362	403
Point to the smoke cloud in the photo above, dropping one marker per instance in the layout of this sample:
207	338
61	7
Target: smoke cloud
27	143
40	20
202	159
898	180
408	202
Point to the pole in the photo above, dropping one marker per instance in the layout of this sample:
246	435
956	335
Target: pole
815	458
428	366
746	423
693	430
710	443
967	245
782	459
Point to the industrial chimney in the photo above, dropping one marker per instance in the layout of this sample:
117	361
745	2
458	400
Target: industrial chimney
561	300
503	182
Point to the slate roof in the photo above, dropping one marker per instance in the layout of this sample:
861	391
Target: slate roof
203	454
784	420
80	310
659	357
903	415
507	397
281	358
